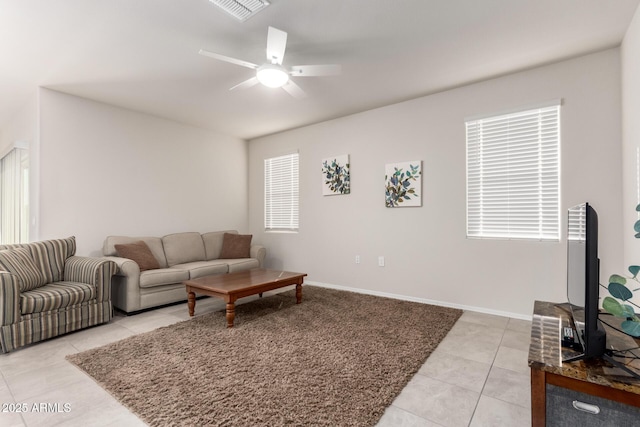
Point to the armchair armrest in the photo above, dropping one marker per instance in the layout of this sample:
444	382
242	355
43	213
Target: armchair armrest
95	271
258	252
9	299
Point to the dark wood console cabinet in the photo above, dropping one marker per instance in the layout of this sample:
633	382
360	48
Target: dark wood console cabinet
568	394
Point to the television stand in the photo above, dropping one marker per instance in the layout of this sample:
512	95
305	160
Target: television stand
563	392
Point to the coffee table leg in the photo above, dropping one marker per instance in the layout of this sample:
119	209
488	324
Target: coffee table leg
231	314
298	293
192	303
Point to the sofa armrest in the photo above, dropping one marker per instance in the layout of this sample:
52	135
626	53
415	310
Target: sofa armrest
126	266
9	299
125	293
94	271
258	252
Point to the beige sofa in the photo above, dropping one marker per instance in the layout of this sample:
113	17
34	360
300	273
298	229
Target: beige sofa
181	256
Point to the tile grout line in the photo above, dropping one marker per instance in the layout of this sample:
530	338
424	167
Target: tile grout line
488	373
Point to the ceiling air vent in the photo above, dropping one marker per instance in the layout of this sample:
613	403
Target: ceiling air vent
241	9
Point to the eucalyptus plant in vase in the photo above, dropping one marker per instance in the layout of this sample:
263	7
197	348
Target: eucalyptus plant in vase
619	303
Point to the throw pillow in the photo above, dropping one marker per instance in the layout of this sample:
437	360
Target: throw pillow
140	253
235	246
19	262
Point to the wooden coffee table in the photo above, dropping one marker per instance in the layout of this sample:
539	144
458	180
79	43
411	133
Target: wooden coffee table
232	286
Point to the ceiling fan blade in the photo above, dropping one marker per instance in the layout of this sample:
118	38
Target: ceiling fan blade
246	84
294	90
228	59
276	45
315	70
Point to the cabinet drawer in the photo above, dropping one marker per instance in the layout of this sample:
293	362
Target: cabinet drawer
562	410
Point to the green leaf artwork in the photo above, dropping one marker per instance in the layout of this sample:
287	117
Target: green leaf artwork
619	291
403	184
336	175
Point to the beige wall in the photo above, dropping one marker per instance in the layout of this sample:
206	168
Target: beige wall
428	256
630	54
22	127
106	170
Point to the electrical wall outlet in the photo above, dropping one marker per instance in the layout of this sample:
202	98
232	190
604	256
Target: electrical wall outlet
381	261
357	259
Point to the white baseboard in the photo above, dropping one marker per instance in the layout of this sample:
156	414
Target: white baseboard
420	300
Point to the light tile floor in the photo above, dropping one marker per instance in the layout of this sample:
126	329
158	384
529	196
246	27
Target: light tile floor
478	376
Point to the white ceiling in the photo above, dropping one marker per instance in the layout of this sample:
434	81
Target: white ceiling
143	54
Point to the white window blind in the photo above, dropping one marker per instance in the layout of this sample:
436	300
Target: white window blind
281	193
513	175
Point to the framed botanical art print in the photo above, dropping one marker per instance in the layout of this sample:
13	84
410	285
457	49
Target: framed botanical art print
403	184
336	177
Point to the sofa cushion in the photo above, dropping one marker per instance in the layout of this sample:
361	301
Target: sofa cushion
55	296
140	253
183	247
235	246
163	276
204	268
20	263
154	244
50	256
213	243
242	264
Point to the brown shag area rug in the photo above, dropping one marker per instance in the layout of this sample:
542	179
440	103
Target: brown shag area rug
337	359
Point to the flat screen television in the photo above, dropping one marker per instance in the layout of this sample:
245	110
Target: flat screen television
583	279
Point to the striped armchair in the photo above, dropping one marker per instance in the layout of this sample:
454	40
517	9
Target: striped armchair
46	291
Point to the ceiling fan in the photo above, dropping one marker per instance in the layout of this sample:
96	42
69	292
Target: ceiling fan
272	73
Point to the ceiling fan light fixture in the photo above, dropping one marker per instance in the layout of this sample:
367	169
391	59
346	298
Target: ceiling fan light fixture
241	9
272	75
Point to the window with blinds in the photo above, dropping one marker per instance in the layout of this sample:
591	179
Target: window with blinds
14	197
513	175
281	193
